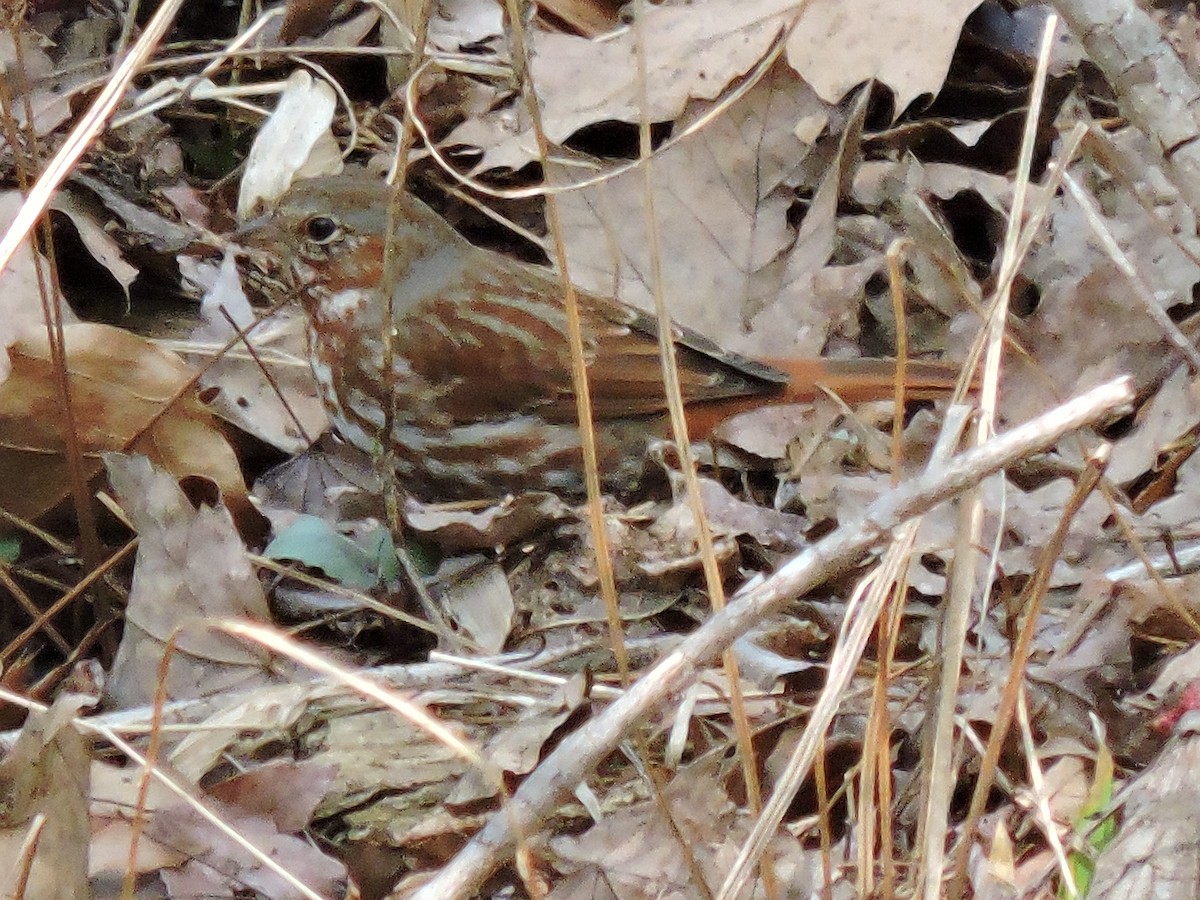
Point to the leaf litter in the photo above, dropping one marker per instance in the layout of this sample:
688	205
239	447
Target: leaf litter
785	191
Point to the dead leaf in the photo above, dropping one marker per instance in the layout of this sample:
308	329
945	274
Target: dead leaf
114	797
482	605
728	251
637	853
285	792
286	410
31	81
838	44
191	569
698	49
99	243
295	142
218	864
45	776
120	385
1155	852
511	520
20	286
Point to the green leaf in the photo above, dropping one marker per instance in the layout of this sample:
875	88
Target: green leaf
1099	836
359	564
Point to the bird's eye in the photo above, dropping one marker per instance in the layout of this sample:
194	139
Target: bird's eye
321	229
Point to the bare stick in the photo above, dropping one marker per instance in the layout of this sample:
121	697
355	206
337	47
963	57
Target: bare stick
1153	86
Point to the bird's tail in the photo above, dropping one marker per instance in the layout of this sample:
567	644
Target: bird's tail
853	380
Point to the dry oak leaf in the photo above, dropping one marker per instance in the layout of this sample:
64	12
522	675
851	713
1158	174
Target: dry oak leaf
191	570
837	44
695	50
120	383
45	778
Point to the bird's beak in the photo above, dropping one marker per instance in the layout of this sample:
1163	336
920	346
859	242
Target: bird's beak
257	241
251	232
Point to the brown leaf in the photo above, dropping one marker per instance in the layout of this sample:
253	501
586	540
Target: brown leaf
119	384
191	569
837	44
214	853
283	791
46	775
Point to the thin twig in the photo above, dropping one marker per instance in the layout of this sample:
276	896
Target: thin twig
86	131
934	823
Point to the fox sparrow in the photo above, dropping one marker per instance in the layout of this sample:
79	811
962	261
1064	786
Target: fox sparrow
480	379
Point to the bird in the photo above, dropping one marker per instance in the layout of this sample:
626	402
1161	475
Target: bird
479	389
